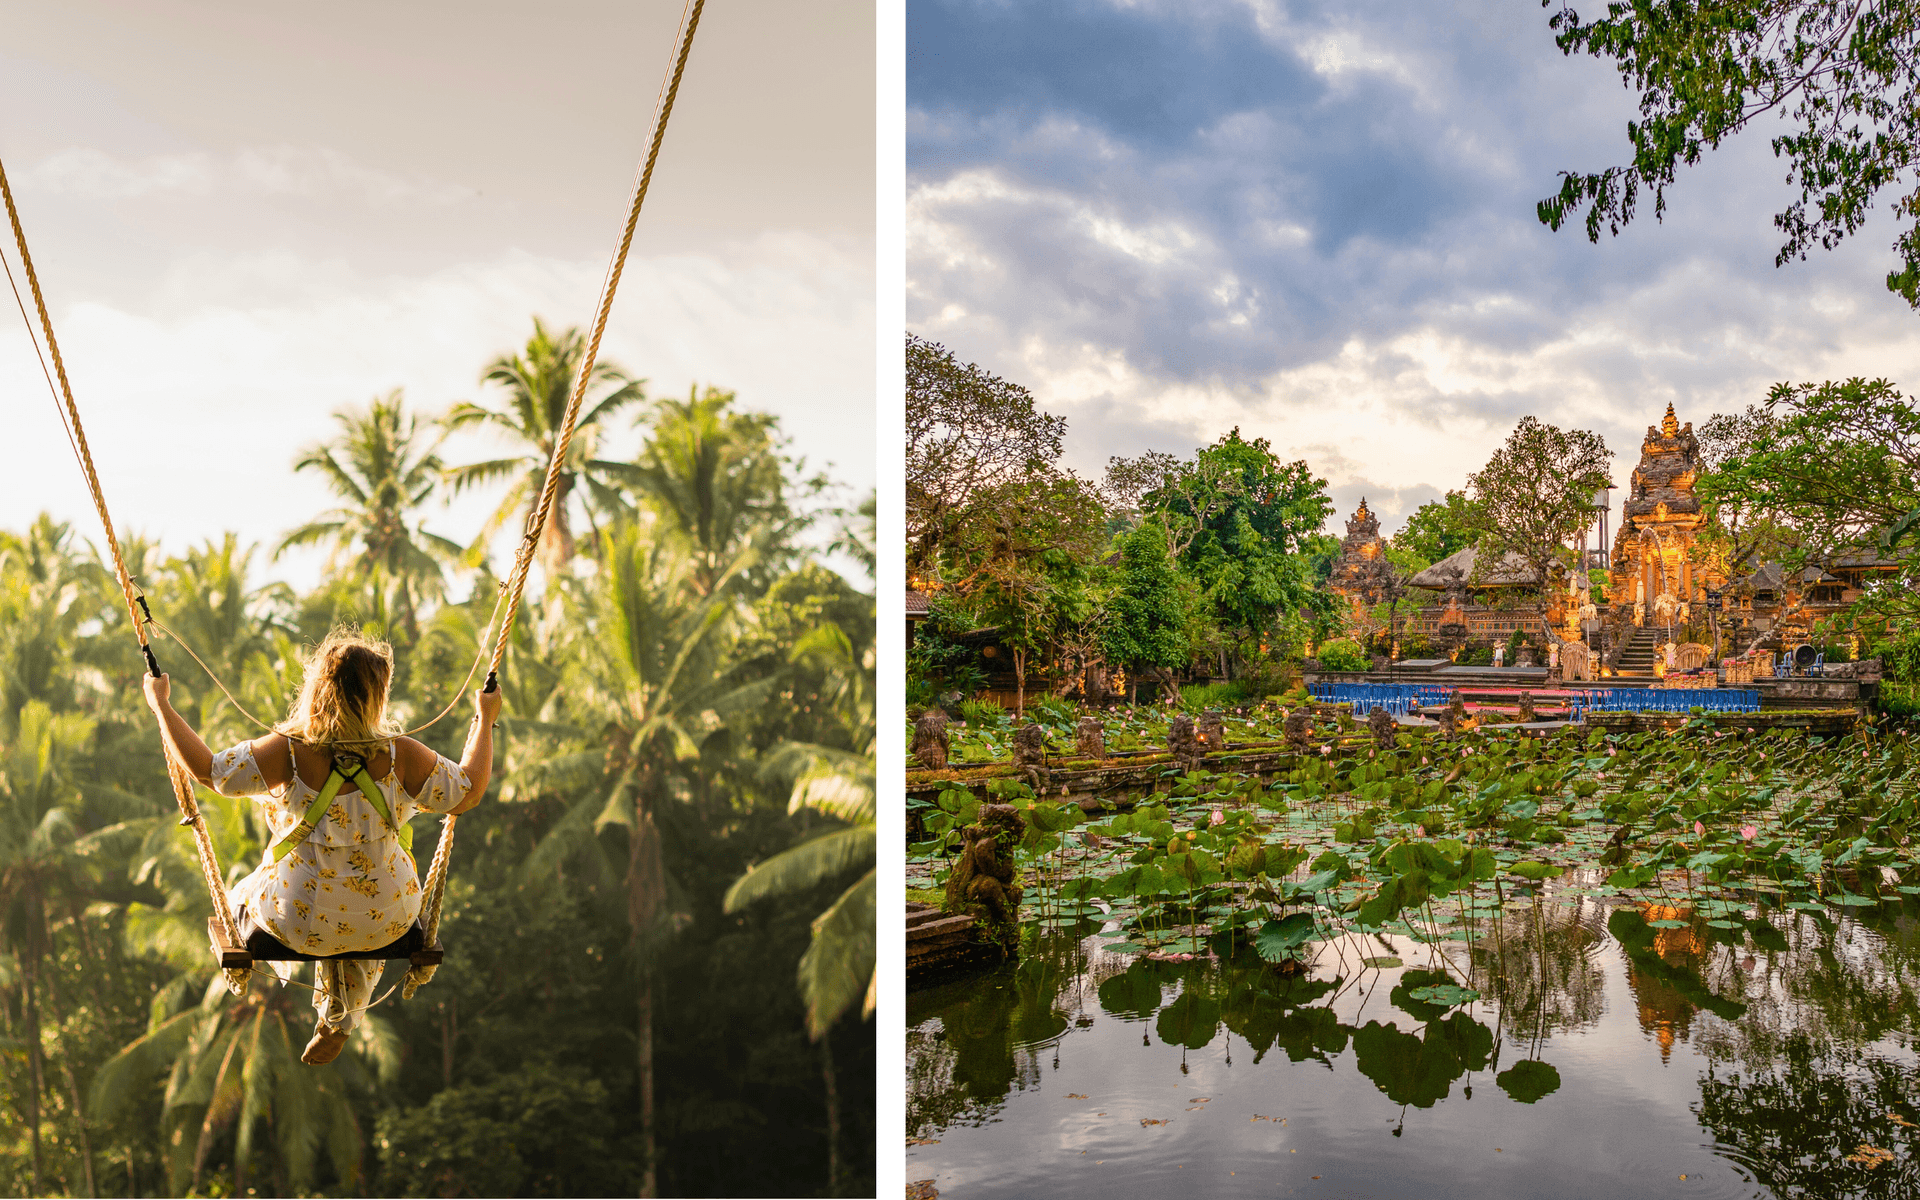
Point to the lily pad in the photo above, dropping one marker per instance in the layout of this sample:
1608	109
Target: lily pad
1444	995
1382	962
1668	923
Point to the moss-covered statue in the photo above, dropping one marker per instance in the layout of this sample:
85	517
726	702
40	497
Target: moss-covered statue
1090	738
1381	725
982	880
930	742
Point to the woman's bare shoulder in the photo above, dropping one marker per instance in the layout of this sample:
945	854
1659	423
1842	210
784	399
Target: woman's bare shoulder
414	760
270	755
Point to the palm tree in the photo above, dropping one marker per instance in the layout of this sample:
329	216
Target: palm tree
715	479
42	810
239	631
39	803
538	382
236	1060
379	467
655	678
839	965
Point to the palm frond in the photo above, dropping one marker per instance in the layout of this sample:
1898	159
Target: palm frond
839	966
800	867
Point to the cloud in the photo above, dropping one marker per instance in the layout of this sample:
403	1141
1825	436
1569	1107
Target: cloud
197	407
1316	222
312	172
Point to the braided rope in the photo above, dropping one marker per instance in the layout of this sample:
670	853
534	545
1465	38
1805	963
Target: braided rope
177	773
537	516
536	524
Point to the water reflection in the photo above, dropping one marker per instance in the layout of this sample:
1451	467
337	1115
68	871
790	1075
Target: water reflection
1791	1032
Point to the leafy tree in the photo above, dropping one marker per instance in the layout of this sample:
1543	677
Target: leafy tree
379	468
1018	561
1742	531
1844	76
1439	528
1241	523
538	382
1149	614
968	432
1833	466
1534	496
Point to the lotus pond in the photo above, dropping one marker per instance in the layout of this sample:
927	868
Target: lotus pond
1679	964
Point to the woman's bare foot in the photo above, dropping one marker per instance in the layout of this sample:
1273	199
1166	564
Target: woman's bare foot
326	1045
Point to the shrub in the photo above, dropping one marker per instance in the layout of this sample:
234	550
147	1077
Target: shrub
1225	694
981	712
1056	710
1344	654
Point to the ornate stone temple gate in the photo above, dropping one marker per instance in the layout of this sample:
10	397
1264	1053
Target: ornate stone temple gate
1660	572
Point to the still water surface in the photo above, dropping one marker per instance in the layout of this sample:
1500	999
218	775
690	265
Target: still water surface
1605	1057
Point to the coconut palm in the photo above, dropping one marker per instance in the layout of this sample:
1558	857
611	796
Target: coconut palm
235	1060
715	479
538	382
839	965
381	467
655	678
239	631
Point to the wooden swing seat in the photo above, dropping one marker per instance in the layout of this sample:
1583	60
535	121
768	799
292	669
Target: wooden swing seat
261	946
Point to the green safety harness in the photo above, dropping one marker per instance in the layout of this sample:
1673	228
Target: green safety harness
345	766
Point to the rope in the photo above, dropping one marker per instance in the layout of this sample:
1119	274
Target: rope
537	516
177	773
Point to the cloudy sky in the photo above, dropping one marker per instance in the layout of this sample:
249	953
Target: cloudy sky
247	216
1316	221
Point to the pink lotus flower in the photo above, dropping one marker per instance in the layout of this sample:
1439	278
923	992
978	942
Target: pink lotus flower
1599	774
1747	832
1326	749
1699	830
1218	818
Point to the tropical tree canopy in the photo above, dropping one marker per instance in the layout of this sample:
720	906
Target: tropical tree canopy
686	712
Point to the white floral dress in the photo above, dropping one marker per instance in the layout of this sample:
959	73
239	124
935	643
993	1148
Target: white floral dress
350	886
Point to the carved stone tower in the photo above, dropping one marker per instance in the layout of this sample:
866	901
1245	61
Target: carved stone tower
1654	572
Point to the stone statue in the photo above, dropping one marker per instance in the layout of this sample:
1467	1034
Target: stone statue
1090	738
1576	662
1382	726
1526	707
1451	716
1184	744
930	742
1298	729
983	874
1213	731
1030	754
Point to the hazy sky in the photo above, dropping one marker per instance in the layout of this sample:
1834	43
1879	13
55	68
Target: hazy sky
249	215
1316	221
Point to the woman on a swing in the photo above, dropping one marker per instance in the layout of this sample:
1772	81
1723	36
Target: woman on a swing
345	883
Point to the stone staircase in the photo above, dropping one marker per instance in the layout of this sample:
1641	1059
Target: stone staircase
1636	661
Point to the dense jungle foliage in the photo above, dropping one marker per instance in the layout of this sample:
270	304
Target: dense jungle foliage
688	684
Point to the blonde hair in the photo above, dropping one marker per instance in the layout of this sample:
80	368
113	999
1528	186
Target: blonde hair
343	699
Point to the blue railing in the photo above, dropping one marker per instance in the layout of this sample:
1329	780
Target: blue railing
1400	699
1669	700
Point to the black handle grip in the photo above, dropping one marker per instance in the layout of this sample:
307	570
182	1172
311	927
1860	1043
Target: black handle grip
493	682
153	664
